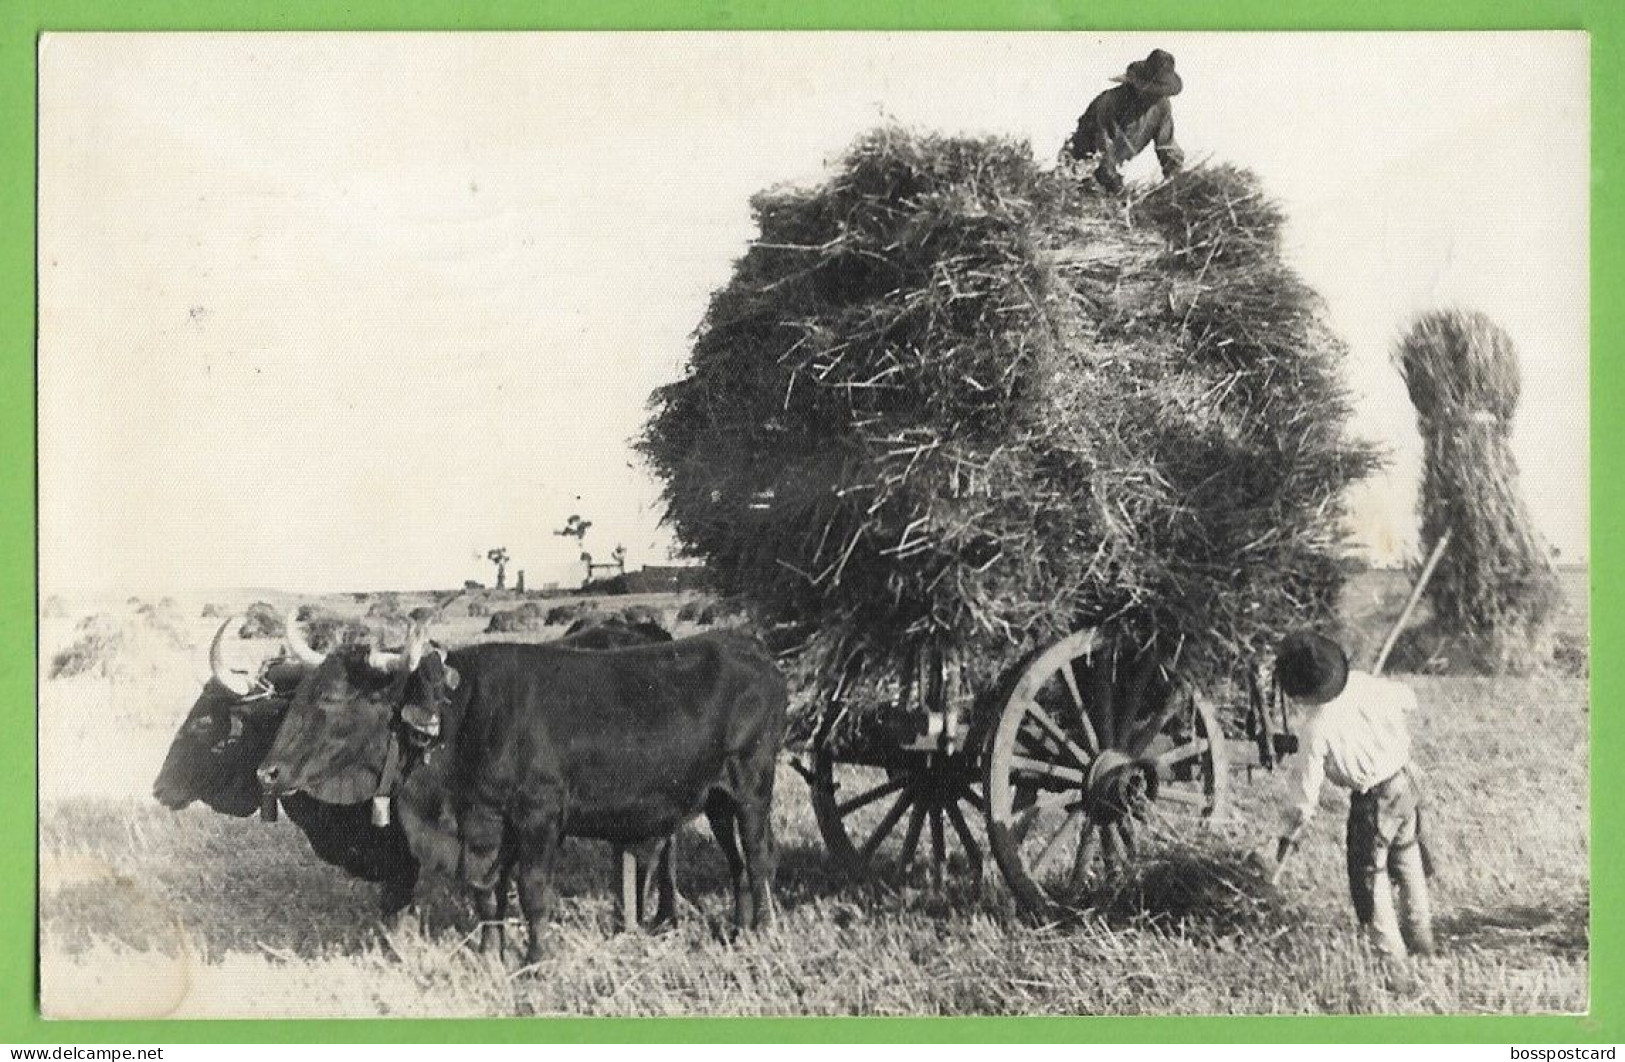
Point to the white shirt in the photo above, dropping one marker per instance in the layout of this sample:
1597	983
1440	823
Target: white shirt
1357	739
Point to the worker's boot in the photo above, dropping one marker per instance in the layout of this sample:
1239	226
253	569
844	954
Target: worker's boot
1408	866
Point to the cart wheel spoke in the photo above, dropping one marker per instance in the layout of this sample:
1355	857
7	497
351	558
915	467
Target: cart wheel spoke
887	824
1069	775
862	800
1080	757
1067	826
1126	833
1111	847
1083	859
911	839
1181	796
1069	674
967	841
1179	754
1029	815
939	849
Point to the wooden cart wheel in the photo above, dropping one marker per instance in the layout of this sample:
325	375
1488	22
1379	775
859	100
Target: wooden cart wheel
898	810
1072	790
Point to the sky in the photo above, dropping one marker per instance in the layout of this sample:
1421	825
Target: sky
344	311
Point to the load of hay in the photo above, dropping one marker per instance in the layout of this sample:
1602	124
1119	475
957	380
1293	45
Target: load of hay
951	399
1495	594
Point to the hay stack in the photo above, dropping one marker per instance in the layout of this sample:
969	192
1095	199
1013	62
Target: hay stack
524	619
948	398
564	615
261	621
1494	590
385	606
119	646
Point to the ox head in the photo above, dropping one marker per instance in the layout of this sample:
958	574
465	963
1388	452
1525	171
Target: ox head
335	736
227	733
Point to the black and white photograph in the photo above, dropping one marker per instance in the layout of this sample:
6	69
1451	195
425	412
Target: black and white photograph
813	523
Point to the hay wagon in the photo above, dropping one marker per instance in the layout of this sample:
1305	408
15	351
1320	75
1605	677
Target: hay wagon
1060	784
952	406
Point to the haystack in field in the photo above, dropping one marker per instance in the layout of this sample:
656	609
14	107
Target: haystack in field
1495	592
949	398
525	618
261	621
114	646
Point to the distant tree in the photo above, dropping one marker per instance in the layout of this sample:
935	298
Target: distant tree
499	557
575	527
519	585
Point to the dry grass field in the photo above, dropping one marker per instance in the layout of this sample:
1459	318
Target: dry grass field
145	912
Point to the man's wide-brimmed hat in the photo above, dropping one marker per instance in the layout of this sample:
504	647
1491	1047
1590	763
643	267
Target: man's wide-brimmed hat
1153	74
1311	667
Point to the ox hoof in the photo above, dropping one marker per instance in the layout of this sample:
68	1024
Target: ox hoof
401	918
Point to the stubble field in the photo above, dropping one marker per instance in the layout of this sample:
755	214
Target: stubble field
147	912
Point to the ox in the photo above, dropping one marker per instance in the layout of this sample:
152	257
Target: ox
214	757
220	745
534	743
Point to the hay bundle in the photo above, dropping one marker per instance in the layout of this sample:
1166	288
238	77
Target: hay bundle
565	615
1203	888
636	614
119	646
261	621
950	399
385	606
1494	589
326	630
525	618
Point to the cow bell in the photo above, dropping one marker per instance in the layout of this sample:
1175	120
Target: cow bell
268	808
380	811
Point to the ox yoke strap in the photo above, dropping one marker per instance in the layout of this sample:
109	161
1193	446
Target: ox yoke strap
391	775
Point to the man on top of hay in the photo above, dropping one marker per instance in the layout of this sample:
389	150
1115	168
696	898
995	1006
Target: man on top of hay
1357	736
1120	122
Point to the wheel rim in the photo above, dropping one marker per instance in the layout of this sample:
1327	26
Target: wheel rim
1074	792
887	823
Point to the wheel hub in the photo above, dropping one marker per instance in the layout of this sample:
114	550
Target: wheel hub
1118	786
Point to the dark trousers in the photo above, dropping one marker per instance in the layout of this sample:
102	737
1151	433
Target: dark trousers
1386	849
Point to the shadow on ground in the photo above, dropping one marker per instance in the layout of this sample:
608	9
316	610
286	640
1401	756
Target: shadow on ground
1558	929
210	883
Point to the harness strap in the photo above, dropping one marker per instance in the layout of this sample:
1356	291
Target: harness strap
387	781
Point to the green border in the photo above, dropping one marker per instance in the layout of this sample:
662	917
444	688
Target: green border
22	20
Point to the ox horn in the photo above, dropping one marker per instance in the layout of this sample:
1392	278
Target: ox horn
236	681
296	640
383	660
417	642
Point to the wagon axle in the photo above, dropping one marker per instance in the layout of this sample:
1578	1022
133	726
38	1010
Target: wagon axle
1118	786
